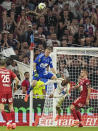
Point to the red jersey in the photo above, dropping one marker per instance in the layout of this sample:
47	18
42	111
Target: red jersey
26	83
6	77
83	87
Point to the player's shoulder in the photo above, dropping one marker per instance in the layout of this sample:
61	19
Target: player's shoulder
4	70
87	81
10	71
41	55
49	59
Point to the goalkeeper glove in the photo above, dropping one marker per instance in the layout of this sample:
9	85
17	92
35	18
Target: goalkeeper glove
58	75
36	74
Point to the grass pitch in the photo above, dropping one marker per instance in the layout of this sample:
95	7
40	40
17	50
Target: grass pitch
26	128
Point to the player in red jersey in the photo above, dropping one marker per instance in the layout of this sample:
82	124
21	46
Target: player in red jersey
6	77
83	99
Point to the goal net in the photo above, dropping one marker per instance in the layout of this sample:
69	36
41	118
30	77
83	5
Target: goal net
70	61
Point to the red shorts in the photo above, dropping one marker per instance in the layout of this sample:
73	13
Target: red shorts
6	98
79	102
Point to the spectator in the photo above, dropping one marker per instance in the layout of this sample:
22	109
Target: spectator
82	42
26	60
94	17
13	66
63	43
13	42
13	8
3	20
5	40
70	40
25	83
88	27
34	28
53	38
74	26
26	36
51	19
79	35
40	32
88	42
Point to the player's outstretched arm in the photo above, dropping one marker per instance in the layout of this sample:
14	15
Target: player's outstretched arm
53	70
51	81
88	95
57	74
75	86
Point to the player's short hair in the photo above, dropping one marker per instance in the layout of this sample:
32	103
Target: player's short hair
2	62
65	81
26	72
48	48
85	70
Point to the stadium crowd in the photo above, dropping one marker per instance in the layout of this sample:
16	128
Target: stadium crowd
64	23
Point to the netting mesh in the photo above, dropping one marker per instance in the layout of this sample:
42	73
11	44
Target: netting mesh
69	63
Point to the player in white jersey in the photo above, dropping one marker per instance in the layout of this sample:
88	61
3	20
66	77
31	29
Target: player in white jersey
62	90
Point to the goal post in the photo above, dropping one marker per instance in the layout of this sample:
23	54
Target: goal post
71	60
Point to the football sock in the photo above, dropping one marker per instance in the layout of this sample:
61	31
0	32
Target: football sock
4	115
79	115
12	116
74	114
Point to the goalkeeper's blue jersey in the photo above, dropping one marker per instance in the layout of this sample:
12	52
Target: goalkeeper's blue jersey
42	63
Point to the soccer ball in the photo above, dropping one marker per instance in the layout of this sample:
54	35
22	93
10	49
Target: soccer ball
9	126
41	6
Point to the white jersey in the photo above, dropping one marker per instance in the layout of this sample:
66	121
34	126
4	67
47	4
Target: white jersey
60	90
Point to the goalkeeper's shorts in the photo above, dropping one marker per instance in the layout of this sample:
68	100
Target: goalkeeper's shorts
42	75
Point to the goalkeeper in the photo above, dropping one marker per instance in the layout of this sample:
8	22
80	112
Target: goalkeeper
63	89
41	64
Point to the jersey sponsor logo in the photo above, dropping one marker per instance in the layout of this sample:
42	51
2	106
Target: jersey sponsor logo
10	100
43	65
6	85
4	100
2	72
